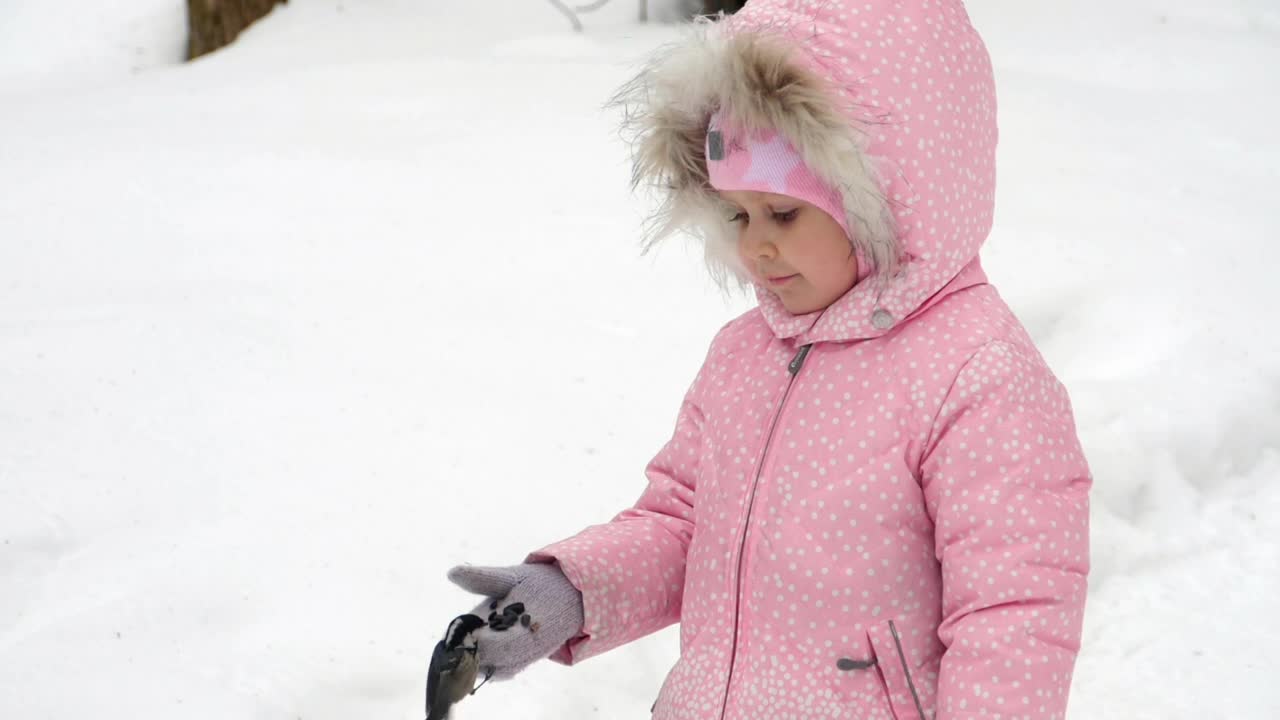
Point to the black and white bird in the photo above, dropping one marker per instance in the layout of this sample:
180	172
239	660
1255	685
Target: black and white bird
452	675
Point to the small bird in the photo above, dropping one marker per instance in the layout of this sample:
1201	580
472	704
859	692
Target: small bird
452	675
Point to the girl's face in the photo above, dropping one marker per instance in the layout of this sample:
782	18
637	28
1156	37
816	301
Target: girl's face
793	249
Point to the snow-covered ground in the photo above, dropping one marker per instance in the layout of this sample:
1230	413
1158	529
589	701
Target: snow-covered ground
287	332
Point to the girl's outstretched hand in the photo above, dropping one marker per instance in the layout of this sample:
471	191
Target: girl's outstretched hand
532	610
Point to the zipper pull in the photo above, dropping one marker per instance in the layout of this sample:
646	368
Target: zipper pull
798	361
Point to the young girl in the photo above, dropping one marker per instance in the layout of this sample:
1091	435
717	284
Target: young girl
874	504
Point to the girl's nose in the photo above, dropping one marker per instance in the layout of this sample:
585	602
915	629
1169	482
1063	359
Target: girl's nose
757	246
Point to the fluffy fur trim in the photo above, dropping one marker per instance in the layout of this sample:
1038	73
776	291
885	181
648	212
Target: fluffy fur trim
761	82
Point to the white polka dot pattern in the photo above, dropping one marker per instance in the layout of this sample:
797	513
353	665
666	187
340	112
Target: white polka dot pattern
901	527
915	78
931	477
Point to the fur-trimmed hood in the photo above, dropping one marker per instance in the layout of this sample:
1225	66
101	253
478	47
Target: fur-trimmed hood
902	123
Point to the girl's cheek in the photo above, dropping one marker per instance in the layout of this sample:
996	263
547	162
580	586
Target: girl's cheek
746	263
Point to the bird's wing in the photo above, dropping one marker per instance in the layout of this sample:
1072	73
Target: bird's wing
439	658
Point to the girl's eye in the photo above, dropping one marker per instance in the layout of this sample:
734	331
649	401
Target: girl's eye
778	217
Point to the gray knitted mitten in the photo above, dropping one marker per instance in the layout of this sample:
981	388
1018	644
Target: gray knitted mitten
532	610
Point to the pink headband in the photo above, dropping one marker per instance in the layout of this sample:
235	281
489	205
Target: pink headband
766	162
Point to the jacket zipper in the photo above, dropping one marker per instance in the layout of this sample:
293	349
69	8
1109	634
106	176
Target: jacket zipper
902	657
793	369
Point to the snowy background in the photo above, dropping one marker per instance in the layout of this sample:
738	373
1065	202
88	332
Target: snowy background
286	332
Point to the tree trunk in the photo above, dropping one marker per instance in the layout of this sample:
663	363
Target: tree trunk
215	23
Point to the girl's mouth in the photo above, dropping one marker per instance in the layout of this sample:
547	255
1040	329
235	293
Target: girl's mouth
777	280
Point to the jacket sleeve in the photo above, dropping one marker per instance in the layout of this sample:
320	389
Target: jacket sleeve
631	570
1006	484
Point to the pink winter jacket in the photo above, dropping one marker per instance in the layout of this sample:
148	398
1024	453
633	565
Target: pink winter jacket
879	510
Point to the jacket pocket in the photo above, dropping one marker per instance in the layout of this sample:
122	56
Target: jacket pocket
898	671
